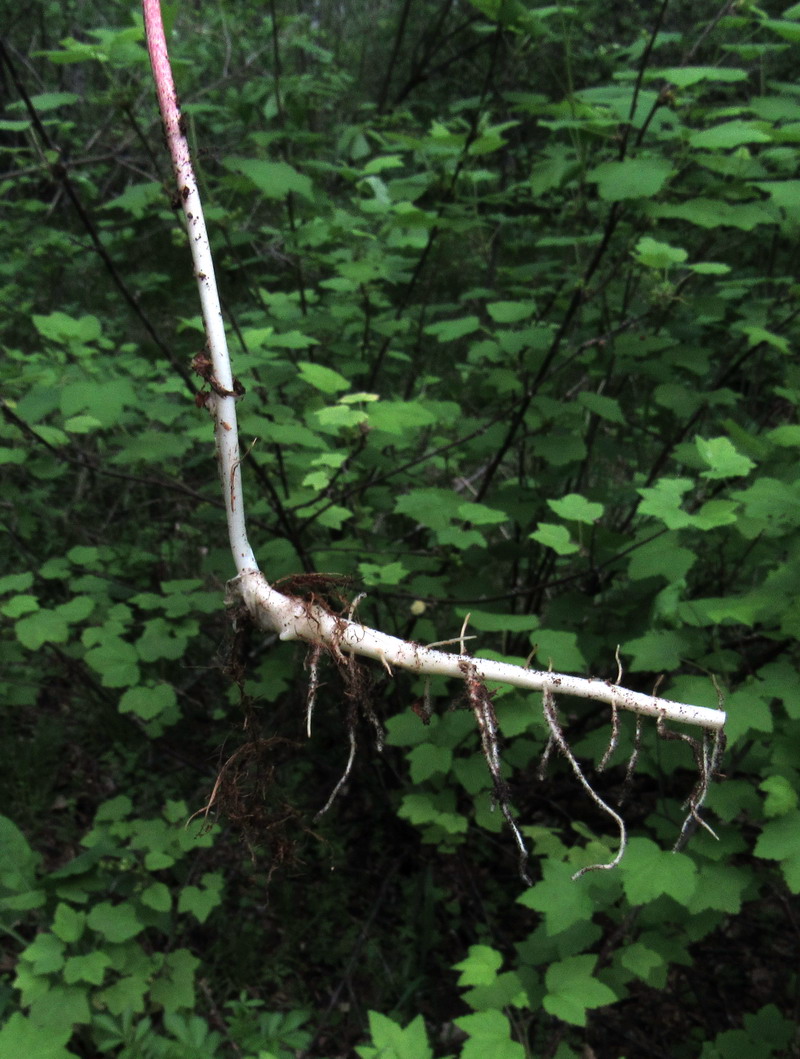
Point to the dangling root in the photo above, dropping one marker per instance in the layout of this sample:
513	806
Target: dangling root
557	737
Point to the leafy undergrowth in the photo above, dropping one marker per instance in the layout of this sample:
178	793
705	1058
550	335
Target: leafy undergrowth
513	296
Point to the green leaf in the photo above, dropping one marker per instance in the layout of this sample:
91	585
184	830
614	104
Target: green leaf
663	502
45	954
174	987
562	902
572	990
657	650
480	966
662	557
633	178
115	922
67	923
450	330
275	180
481	515
606	407
391	1041
556	537
576	508
684	76
559	648
157	896
645	963
44	626
779	837
321	378
730	134
116	661
400	417
434	508
510	312
90	968
649	872
714	213
427	760
202	900
657	255
757	335
21	1036
70	330
489	1035
722	458
781	795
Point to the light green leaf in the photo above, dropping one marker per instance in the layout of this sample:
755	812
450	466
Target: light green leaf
321	378
562	903
722	458
117	923
633	178
714	213
428	760
274	180
560	648
480	967
649	872
656	651
556	537
576	508
450	330
572	989
510	312
781	795
490	1035
602	406
663	502
157	896
202	900
480	514
757	335
41	627
657	255
67	923
90	968
731	134
684	76
779	837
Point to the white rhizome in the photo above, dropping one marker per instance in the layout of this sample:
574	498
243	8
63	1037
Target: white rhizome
345	638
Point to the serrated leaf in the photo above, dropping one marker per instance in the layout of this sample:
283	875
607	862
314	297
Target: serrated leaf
572	989
649	872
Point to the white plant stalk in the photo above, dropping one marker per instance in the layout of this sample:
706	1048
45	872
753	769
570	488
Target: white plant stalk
295	619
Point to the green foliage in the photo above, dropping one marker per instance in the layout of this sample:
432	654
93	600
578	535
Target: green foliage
512	291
